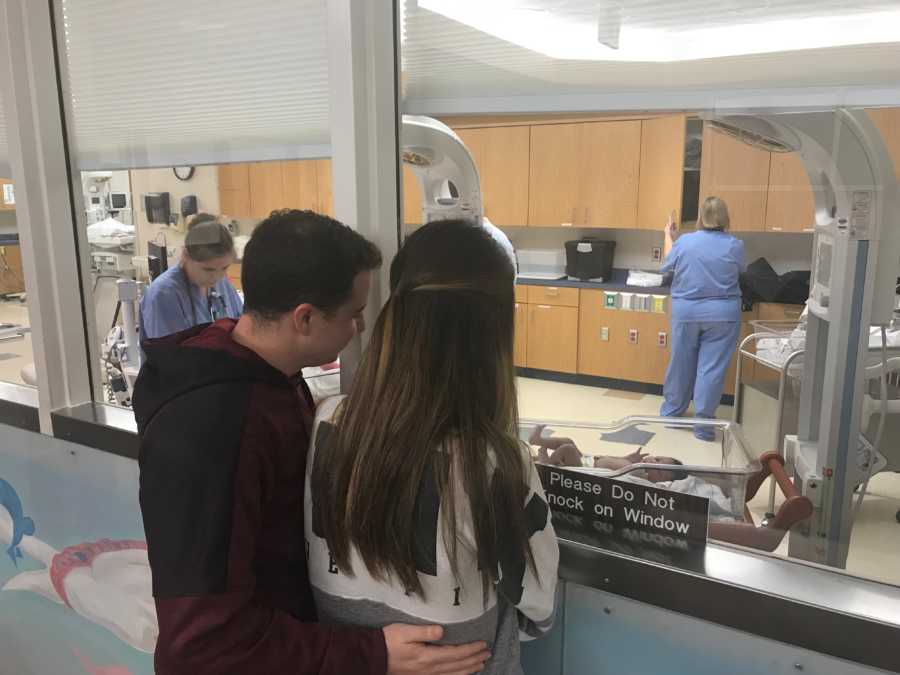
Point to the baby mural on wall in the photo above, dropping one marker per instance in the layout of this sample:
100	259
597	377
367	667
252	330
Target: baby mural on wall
107	581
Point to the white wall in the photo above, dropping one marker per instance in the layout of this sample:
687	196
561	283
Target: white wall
204	184
785	252
8	222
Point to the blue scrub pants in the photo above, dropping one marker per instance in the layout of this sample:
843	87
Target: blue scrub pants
700	355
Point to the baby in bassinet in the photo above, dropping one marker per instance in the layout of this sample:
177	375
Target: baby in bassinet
566	453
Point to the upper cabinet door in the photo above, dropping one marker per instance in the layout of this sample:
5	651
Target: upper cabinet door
325	183
553	184
266	188
609	173
300	185
502	157
789	205
739	174
888	122
234	190
662	170
412	198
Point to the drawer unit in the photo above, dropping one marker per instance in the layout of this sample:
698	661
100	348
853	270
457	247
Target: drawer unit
552	295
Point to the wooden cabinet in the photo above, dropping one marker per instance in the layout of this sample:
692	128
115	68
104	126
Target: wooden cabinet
602	336
662	170
12	278
553	178
552	295
621	344
653	346
790	206
521	335
412	198
775	311
266	188
234	190
300	181
552	338
502	157
610	166
324	185
739	174
256	189
888	122
584	175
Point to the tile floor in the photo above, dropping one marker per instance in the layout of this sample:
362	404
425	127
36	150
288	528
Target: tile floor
875	542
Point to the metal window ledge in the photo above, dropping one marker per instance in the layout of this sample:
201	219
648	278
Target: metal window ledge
19	406
806	605
100	426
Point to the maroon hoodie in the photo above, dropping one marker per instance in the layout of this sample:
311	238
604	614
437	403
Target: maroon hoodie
224	437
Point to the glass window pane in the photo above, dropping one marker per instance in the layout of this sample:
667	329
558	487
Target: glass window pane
16	355
223	111
597	125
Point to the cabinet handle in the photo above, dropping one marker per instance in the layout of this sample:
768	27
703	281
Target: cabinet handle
776	229
552	291
544	307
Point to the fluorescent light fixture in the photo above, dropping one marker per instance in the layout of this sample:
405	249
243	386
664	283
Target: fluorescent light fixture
576	38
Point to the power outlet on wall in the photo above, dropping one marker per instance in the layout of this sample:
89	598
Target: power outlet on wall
656	254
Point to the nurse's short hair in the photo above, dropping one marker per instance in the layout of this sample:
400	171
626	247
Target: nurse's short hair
714	215
207	238
297	257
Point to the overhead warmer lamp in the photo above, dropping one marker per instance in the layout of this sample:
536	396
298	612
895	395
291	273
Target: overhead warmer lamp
445	170
856	257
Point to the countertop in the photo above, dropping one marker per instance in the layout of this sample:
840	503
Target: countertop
616	283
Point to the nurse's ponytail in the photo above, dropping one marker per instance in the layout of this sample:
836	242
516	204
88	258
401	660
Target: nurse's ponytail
207	239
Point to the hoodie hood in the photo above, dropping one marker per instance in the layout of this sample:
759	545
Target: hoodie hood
195	358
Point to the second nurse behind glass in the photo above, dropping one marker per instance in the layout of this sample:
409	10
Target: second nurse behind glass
196	291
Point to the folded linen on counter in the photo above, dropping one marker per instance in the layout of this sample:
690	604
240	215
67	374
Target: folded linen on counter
644	279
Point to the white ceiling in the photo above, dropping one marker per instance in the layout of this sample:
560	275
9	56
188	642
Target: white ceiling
453	66
681	15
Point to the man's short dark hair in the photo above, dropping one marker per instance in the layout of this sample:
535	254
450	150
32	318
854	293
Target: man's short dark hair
296	257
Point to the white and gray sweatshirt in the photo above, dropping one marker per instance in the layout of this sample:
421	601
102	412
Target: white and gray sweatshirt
520	606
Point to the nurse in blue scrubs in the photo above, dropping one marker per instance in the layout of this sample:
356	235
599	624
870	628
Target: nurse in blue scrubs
706	313
196	291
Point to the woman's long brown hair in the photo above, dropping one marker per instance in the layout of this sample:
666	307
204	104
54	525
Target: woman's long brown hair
436	382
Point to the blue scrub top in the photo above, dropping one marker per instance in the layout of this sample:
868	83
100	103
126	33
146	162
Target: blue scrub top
172	304
707	266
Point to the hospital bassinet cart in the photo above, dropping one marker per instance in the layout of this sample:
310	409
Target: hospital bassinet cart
726	464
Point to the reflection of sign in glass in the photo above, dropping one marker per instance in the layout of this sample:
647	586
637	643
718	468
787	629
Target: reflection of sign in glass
624	506
9	196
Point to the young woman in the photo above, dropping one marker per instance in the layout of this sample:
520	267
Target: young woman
422	505
196	290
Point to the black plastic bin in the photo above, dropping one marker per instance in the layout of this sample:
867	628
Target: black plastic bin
590	259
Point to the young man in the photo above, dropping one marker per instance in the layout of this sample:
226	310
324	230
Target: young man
224	420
